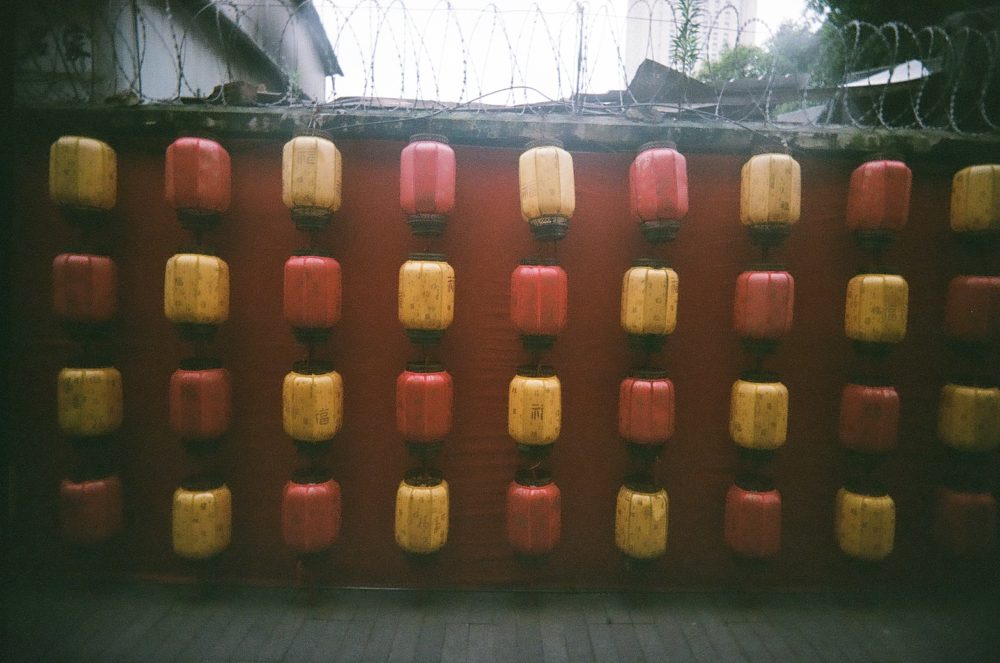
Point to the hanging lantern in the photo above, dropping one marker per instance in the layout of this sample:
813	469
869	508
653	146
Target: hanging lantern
197	181
876	309
865	524
758	412
641	518
646	407
312	294
753	518
84	288
762	310
202	518
424	398
534	406
649	303
548	196
83	176
878	200
969	418
89	401
965	524
533	514
200	400
422	512
869	417
310	512
658	190
972	309
426	297
196	293
770	196
975	199
427	183
90	510
311	176
312	402
538	301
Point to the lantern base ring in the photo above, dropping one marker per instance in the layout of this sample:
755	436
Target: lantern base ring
87	331
874	240
535	451
872	348
645	454
311	449
647	342
311	334
195	219
760	346
660	230
311	218
193	331
755	456
424	451
979	239
769	234
427	225
83	215
536	342
425	336
549	228
202	448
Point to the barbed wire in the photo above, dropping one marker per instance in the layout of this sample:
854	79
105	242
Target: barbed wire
577	57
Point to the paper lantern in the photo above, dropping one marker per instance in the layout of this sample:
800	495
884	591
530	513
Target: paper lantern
965	523
83	176
196	293
876	308
202	518
658	190
534	406
969	417
312	402
865	524
649	303
763	307
310	512
538	296
200	399
421	525
641	513
311	175
770	196
548	196
869	417
197	180
972	309
758	412
646	407
424	402
426	297
534	508
427	183
84	288
753	519
878	200
312	294
89	400
975	199
90	510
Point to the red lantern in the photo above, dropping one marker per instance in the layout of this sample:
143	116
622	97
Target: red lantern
646	407
427	182
753	518
197	180
312	294
538	301
200	399
869	417
878	200
533	514
972	309
85	288
965	524
310	512
765	300
658	190
90	510
424	397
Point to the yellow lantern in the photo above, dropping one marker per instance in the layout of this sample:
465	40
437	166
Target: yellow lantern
641	519
534	406
83	174
89	401
758	412
876	308
865	524
969	418
975	199
426	297
311	176
421	513
312	402
196	292
548	194
649	302
770	196
202	519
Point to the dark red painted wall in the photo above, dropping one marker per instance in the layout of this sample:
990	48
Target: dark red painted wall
484	240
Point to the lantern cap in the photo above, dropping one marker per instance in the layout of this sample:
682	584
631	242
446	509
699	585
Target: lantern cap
200	364
544	142
871	381
206	481
436	257
91	473
536	371
312	367
759	376
89	363
658	144
424	476
200	134
437	138
753	482
313	133
311	475
648	373
883	156
770	146
766	267
641	483
316	252
198	250
533	478
655	263
539	260
879	270
424	367
867	486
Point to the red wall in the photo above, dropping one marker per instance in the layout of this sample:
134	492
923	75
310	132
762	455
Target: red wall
484	240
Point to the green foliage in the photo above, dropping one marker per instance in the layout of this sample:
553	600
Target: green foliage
740	61
685	42
917	14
